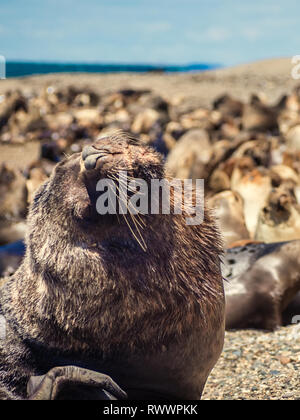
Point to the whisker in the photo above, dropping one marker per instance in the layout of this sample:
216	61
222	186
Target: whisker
109	186
143	244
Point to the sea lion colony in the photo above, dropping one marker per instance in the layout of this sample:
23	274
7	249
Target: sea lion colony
248	153
88	294
249	148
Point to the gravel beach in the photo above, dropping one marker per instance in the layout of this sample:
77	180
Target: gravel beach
257	365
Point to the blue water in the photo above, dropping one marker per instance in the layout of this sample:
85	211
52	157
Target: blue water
17	69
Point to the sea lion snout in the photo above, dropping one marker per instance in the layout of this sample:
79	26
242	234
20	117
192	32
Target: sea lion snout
90	155
102	148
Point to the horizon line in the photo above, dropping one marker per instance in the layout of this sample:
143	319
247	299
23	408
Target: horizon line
113	63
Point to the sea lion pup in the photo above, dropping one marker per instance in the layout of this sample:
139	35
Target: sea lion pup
88	294
262	280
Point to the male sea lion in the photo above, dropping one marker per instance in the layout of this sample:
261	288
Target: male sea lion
262	280
87	294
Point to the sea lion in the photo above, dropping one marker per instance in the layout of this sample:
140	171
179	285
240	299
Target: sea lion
190	155
36	177
229	211
262	279
12	103
284	174
241	167
256	183
218	181
13	204
88	294
279	219
293	138
228	106
257	116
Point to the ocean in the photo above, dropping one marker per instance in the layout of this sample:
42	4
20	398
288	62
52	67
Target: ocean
18	69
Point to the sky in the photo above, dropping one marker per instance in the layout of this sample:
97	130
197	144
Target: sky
225	32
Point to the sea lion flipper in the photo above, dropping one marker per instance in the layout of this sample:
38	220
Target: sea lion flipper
73	382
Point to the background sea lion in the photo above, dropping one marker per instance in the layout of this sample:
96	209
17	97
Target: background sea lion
87	294
229	211
256	183
258	116
279	220
13	204
262	280
190	155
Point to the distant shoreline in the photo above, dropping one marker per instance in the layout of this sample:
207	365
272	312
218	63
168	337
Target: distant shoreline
20	69
271	77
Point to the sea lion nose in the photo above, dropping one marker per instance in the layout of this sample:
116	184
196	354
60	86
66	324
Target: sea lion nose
91	153
88	151
90	156
102	148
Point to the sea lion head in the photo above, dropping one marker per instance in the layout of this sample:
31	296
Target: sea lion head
65	207
120	159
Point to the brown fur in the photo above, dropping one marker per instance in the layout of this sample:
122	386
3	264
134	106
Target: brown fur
87	293
13	204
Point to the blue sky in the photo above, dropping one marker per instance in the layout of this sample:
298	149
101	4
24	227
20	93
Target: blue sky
149	31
